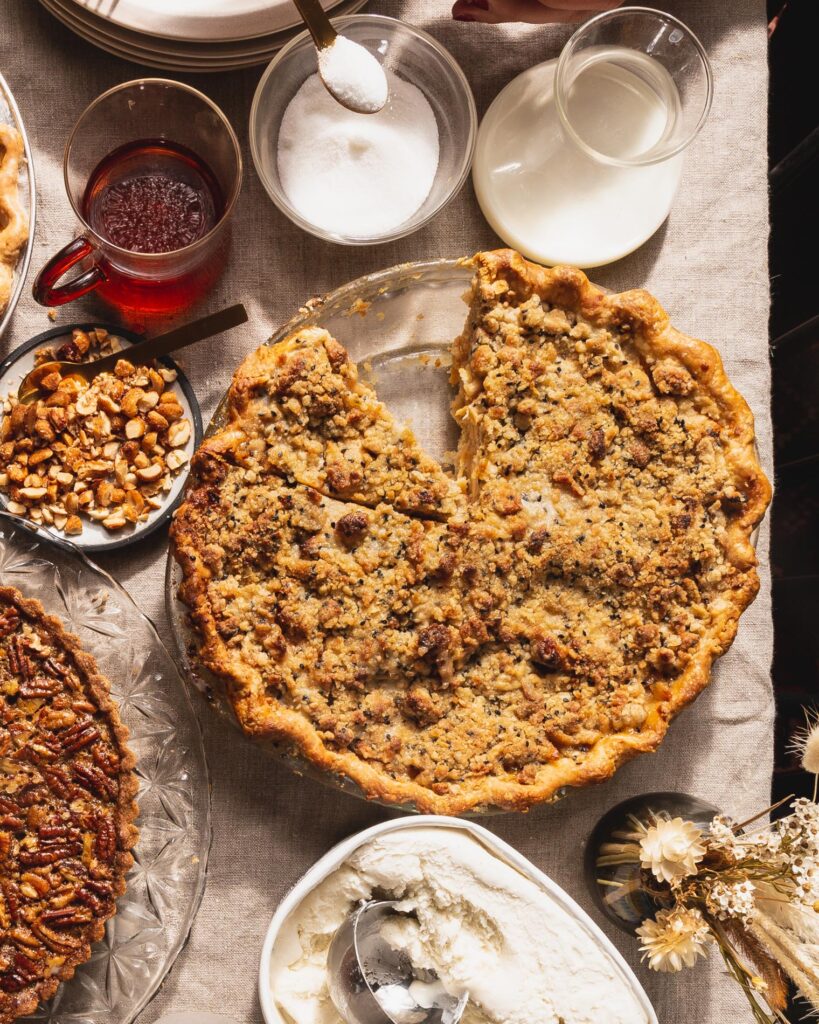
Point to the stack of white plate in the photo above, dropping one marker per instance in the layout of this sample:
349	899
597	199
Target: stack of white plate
189	35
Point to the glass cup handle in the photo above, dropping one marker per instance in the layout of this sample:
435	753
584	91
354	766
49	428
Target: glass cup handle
46	290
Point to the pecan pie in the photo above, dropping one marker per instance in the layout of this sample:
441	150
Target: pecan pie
13	217
487	639
67	807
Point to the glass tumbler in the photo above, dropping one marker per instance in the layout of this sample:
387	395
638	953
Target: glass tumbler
163	111
633	87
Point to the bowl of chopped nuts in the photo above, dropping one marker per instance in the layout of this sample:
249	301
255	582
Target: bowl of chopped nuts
96	464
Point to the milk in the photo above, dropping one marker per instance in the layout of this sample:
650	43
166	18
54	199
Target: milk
545	196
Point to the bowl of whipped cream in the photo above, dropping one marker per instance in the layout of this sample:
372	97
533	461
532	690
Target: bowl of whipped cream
480	915
361	179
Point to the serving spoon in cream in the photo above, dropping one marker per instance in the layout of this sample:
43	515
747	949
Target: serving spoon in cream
350	73
371	982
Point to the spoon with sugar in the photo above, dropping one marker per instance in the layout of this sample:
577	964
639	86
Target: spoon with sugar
351	74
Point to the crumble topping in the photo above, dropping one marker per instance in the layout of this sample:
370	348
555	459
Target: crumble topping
538	619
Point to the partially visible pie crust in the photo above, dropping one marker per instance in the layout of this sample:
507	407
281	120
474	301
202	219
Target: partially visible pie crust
488	640
13	217
67	810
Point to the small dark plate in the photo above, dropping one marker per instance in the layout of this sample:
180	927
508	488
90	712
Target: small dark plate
635	902
94	536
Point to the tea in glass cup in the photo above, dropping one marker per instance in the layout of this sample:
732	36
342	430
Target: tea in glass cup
152	170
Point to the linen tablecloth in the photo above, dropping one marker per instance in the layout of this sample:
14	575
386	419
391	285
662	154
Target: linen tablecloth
708	266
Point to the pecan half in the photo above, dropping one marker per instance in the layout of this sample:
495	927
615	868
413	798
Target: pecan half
79	735
9	621
94	779
106	841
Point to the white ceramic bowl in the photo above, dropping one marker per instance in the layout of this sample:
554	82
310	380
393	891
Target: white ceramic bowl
340	853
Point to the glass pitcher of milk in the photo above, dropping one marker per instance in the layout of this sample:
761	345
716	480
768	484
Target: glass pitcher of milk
578	160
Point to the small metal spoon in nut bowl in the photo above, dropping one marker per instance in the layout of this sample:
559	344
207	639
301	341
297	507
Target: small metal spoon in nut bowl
34	382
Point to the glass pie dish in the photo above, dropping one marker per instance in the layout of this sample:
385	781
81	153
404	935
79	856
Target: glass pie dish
166	884
398	325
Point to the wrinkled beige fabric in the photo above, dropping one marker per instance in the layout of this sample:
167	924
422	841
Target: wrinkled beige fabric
708	266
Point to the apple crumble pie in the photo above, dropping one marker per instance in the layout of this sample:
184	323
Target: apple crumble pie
488	639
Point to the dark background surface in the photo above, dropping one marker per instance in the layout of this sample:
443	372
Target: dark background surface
794	333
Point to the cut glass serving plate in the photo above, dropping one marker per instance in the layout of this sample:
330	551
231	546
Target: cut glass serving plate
10	114
167	881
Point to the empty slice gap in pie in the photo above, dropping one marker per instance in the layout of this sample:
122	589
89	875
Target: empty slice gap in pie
67	810
485	640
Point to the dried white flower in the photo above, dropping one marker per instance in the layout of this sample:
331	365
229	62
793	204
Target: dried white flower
722	836
800	832
806	877
805	742
672	848
674	939
765	842
762	845
806	813
731	900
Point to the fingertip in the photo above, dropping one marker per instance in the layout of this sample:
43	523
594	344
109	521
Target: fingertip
471	10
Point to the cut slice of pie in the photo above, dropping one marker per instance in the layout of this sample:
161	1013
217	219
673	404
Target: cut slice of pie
326	428
490	641
67	809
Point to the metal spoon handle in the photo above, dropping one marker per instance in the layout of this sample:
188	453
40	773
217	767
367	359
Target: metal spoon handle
315	18
179	337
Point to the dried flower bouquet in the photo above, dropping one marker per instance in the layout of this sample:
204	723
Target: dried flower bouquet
750	888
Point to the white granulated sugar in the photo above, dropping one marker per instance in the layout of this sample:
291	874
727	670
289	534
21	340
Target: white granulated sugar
353	75
357	175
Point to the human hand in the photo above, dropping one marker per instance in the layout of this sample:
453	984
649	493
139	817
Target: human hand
537	12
